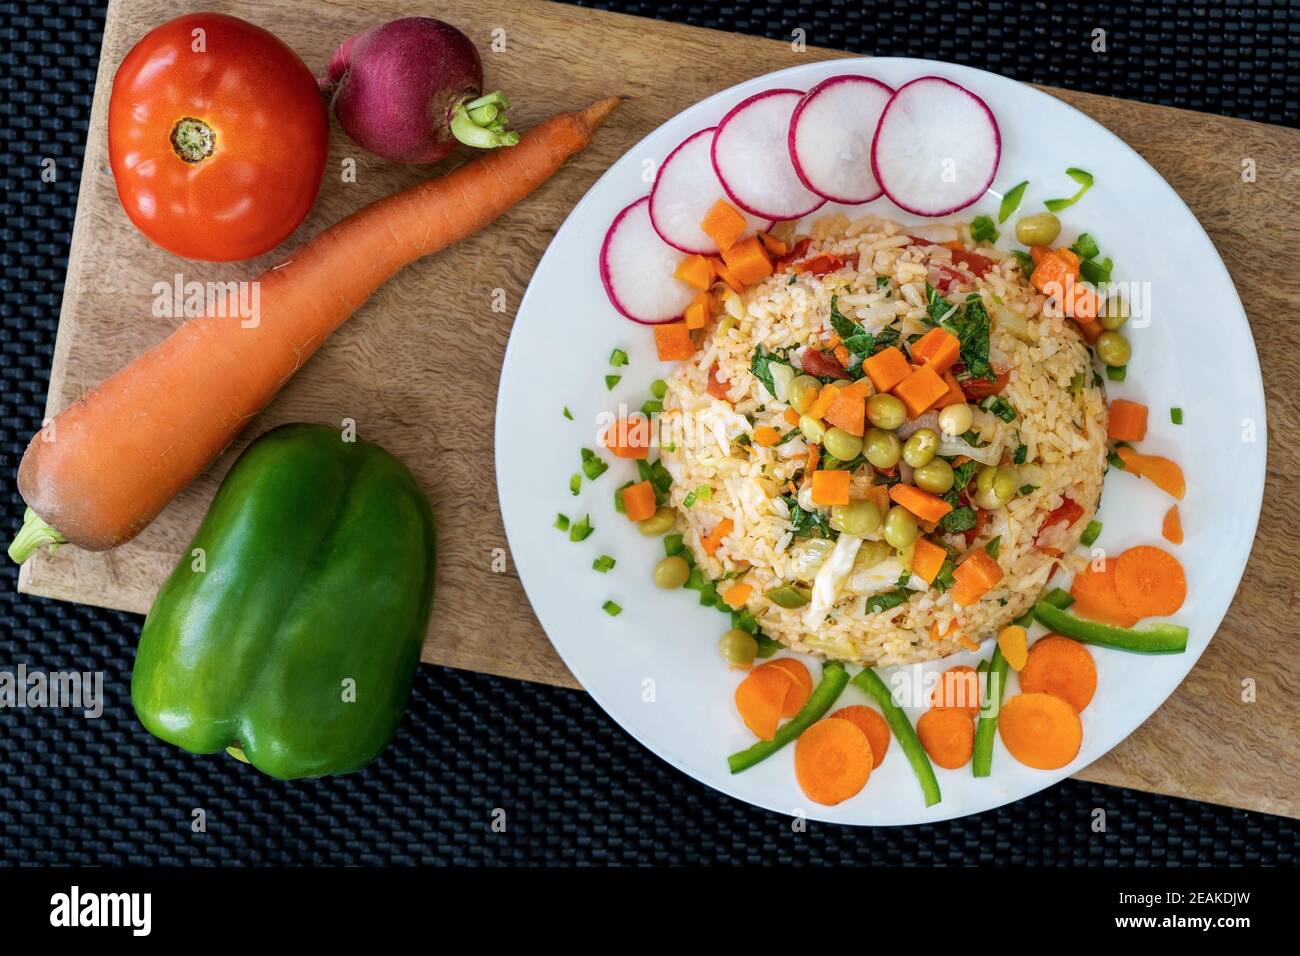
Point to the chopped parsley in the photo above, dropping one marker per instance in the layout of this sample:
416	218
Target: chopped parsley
603	564
856	339
983	230
1026	262
887	600
972	326
882	283
957	520
999	406
944	579
807	524
994	547
938	308
1022	452
1026	489
761	364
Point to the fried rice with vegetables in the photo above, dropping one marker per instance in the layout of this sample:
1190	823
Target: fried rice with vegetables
1013	454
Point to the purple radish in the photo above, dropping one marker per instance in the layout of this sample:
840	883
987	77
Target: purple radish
410	89
751	155
937	147
830	137
684	191
636	267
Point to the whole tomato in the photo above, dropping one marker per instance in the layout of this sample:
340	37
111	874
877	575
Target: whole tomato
217	136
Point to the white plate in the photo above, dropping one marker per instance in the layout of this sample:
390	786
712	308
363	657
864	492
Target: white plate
655	668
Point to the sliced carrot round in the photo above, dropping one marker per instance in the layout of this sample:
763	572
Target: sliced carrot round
832	760
1150	581
948	736
872	723
1060	666
760	698
1095	596
958	688
1040	730
801	684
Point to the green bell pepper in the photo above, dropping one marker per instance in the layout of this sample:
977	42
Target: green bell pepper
291	630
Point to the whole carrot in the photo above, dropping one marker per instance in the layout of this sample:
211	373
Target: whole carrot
98	473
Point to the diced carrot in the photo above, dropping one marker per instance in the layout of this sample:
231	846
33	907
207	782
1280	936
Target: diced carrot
673	341
924	505
695	271
920	390
832	761
1051	274
737	595
697	313
830	487
1172	526
639	501
801	684
1081	305
791	416
842	353
1036	253
713	540
724	224
774	246
824	400
727	276
1090	330
748	261
1128	420
927	559
810	466
954	395
938	348
1040	730
974	576
1070	258
759	698
887	368
879	496
629	437
1166	474
766	436
1095	597
1150	581
848	411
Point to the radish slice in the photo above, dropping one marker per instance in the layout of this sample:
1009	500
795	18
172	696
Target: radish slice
684	191
637	268
937	147
830	137
751	155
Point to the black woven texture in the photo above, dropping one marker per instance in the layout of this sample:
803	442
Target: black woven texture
573	786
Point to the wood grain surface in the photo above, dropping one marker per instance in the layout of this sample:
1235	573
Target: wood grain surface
417	367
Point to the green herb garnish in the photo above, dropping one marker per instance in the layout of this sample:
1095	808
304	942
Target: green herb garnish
959	519
761	364
1026	262
983	230
1022	452
999	406
994	547
887	600
856	339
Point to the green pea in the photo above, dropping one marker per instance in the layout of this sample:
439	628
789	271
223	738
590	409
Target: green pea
1005	483
738	648
856	518
994	487
802	392
1039	229
812	428
920	447
842	382
661	522
900	527
1114	314
1113	349
886	411
935	476
882	448
671	572
841	444
956	419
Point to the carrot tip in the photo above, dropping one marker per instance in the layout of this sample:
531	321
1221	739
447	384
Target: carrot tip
596	113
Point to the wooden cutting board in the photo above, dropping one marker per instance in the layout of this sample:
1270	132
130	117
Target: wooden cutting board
417	367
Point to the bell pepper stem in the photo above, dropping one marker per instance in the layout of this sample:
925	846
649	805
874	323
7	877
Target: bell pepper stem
480	122
237	752
33	535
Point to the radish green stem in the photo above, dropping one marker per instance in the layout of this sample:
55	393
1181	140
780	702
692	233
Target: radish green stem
33	535
481	122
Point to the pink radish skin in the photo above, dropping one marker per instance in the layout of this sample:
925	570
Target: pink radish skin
751	156
399	91
636	268
831	132
685	189
930	126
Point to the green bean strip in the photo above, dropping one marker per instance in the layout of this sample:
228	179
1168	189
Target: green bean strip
982	759
869	682
1153	639
834	679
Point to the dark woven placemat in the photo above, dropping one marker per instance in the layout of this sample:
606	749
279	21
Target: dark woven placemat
573	787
